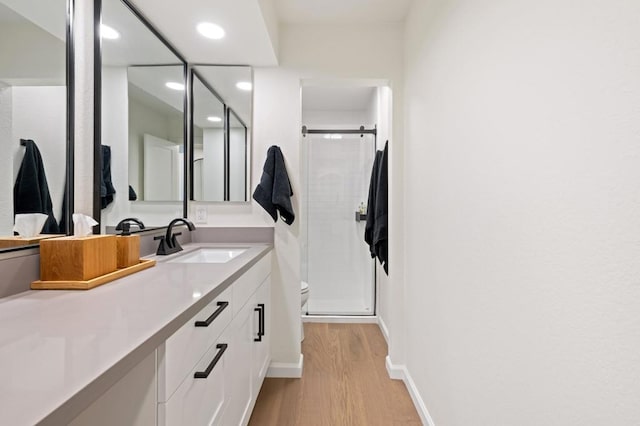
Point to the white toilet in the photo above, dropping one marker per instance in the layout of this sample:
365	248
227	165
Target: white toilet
304	296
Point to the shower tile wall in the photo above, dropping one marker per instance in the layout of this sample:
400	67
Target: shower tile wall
340	271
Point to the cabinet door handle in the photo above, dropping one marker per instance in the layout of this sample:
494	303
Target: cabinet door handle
260	311
208	321
204	374
261	306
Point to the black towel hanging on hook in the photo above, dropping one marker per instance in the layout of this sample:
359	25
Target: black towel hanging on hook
31	191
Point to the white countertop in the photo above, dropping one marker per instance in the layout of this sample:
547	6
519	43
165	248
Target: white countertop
60	350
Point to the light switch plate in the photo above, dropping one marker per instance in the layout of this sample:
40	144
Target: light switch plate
201	214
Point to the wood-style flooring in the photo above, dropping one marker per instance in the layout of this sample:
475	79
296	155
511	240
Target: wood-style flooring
344	383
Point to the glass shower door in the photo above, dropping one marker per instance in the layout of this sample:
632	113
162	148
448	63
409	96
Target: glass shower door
340	270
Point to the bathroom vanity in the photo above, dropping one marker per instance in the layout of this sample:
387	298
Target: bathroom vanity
183	343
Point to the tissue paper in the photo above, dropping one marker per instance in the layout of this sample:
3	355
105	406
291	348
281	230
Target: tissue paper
29	224
83	225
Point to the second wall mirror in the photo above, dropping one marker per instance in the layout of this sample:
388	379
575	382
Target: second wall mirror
142	121
222	102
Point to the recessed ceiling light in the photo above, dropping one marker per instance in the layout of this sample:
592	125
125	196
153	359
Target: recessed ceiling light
108	32
214	119
174	86
244	85
209	30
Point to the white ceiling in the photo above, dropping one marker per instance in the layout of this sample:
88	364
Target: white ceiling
223	80
50	15
8	15
205	104
153	79
37	29
247	40
341	11
323	98
251	24
137	45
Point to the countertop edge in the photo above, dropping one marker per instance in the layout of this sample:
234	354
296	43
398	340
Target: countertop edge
82	399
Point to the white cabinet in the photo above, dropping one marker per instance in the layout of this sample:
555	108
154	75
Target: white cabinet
249	362
262	346
131	401
240	365
200	398
237	357
180	352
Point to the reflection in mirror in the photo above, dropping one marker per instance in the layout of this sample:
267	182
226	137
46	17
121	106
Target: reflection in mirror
220	148
142	121
33	108
237	158
208	142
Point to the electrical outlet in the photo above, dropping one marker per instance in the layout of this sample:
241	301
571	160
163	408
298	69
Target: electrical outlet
201	214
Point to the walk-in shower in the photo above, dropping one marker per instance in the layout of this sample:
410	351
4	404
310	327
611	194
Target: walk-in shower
336	261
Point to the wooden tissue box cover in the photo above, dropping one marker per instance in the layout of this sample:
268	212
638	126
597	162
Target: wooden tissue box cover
77	258
128	250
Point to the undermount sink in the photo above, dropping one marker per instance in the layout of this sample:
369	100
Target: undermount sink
210	255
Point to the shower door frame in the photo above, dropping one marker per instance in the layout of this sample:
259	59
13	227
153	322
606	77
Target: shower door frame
361	131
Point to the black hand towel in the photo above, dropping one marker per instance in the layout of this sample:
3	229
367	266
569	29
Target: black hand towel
31	191
371	204
107	191
274	191
381	225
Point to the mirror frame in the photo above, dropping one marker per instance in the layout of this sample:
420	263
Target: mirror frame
97	104
227	132
68	201
71	108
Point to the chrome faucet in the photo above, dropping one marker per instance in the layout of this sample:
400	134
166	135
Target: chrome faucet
168	243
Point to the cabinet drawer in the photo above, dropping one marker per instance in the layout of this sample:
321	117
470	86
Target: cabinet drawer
249	282
180	352
199	401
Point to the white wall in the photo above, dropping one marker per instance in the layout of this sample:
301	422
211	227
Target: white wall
145	120
18	63
6	163
237	159
213	164
522	200
114	131
346	119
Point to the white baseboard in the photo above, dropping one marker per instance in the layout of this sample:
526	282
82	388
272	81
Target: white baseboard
384	329
286	370
341	319
400	372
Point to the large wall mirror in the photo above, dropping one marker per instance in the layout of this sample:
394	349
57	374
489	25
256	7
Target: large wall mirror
36	111
221	134
142	121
